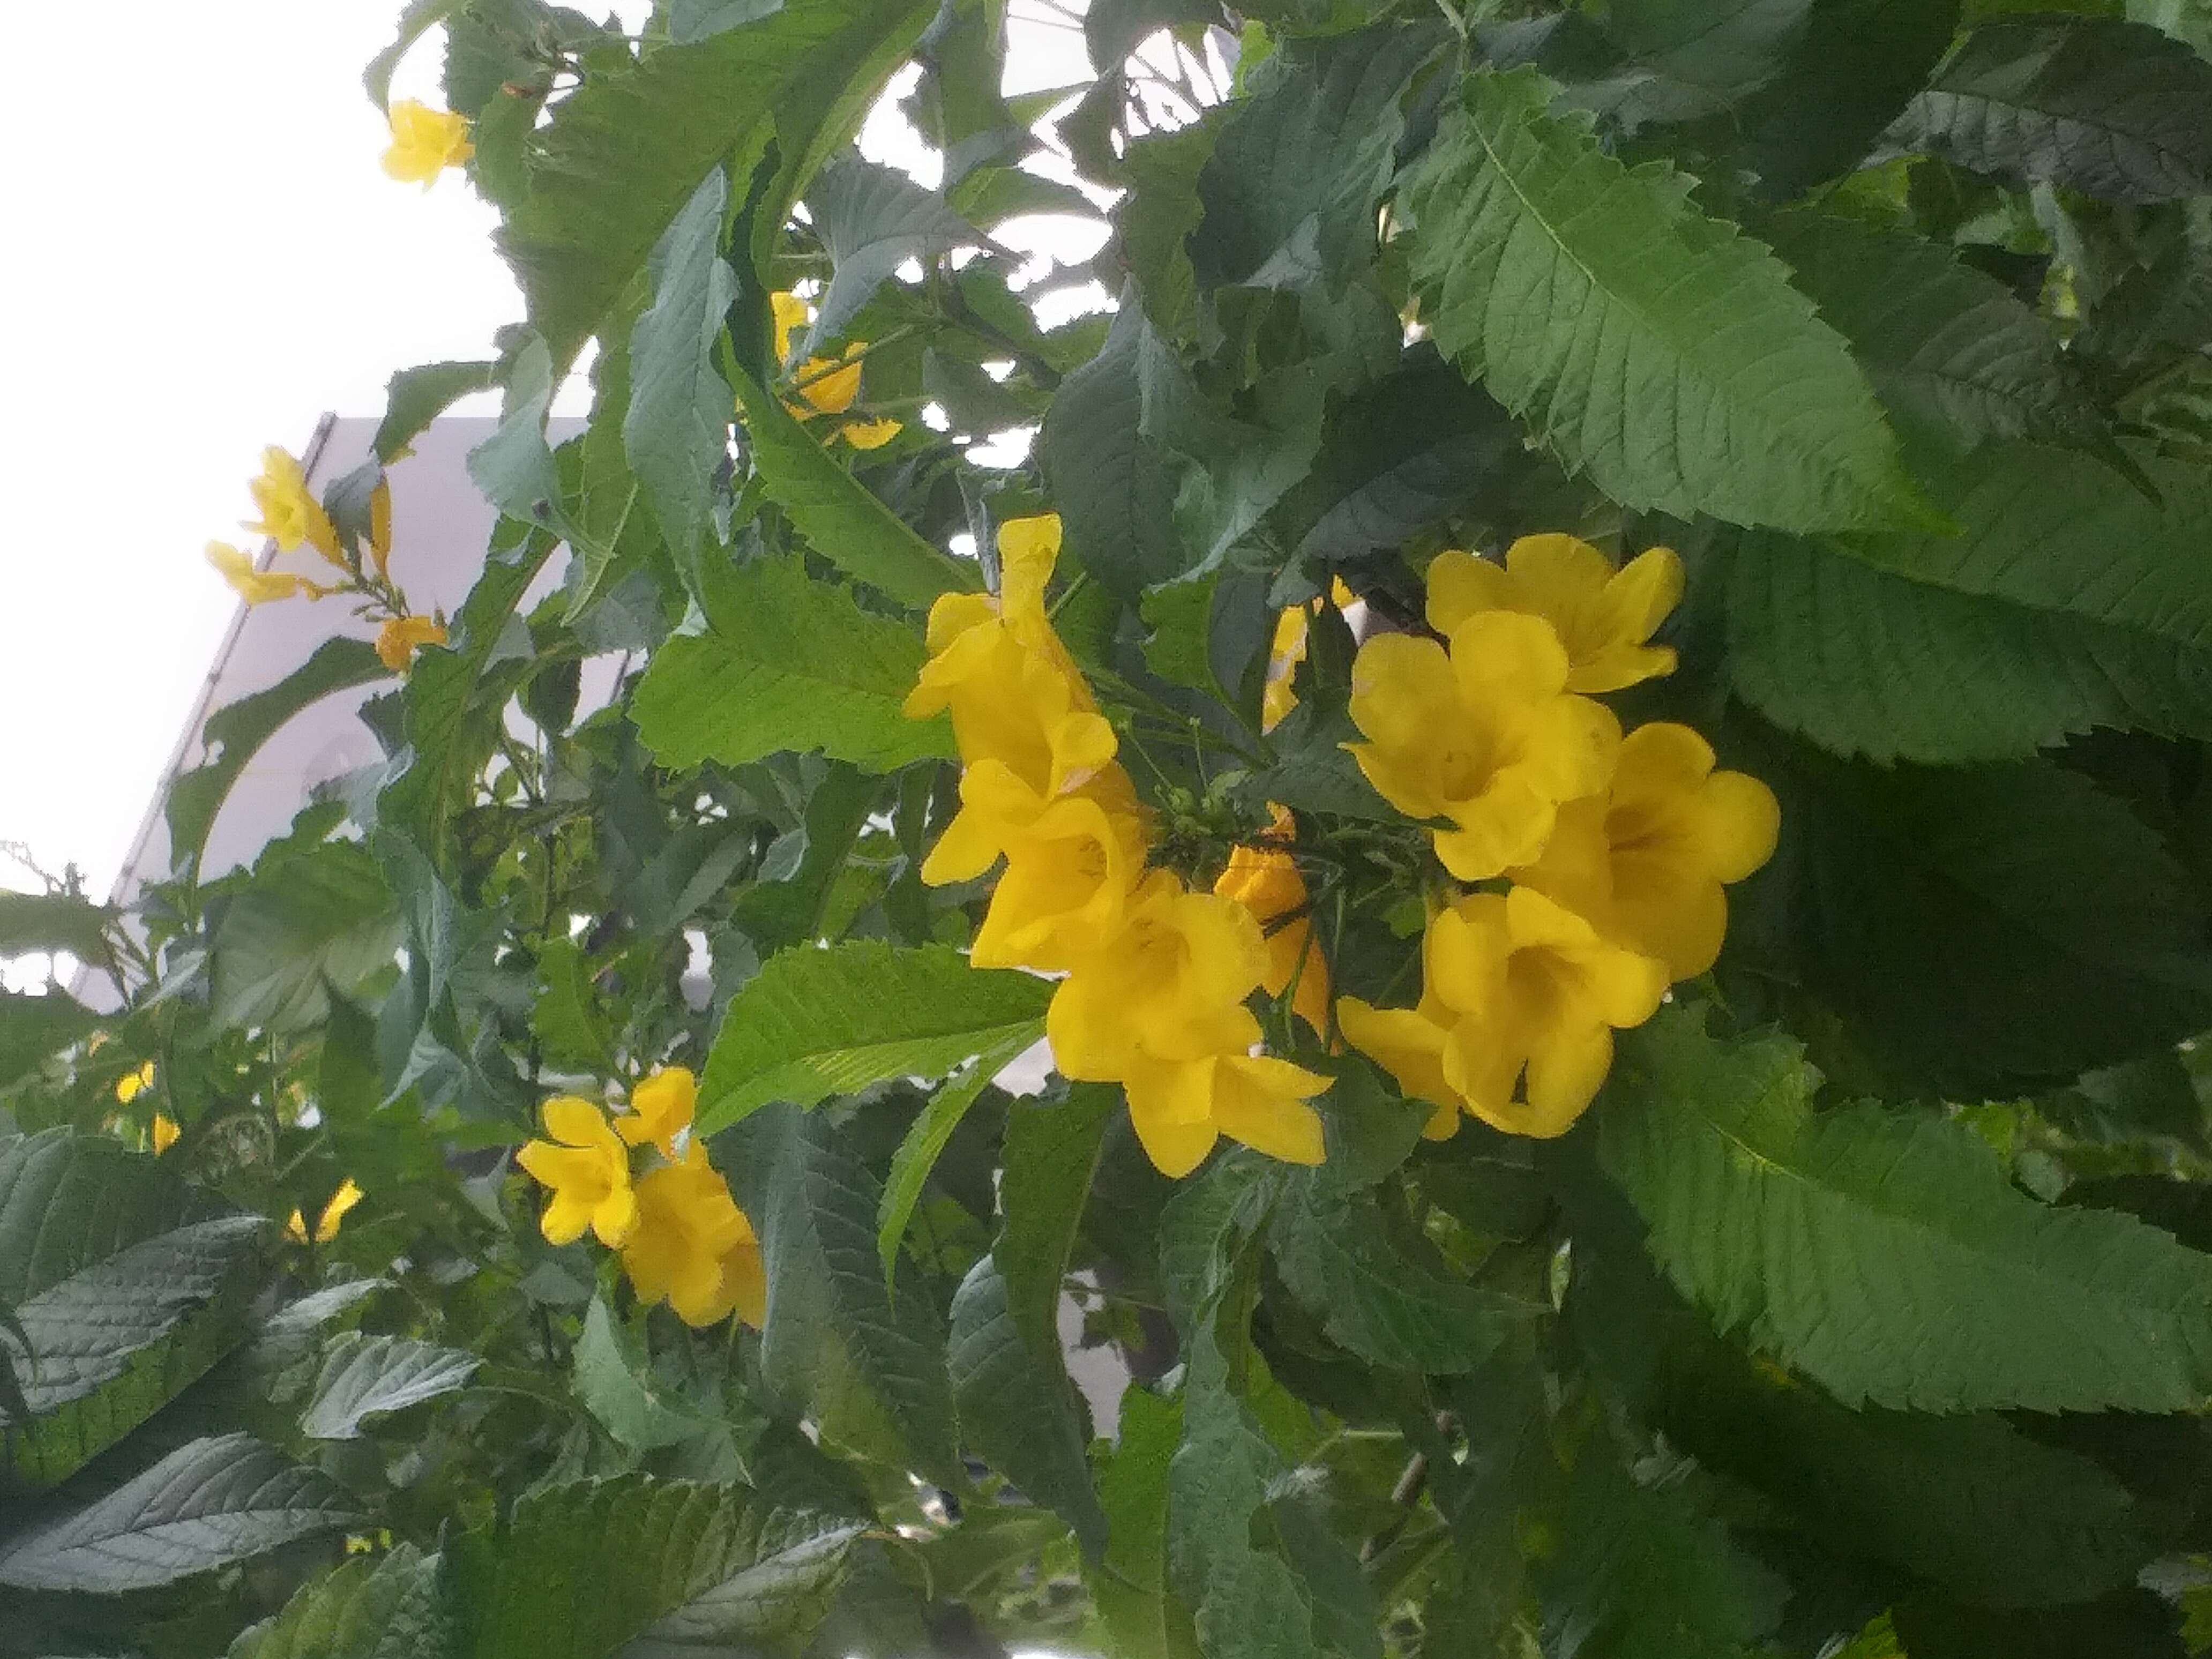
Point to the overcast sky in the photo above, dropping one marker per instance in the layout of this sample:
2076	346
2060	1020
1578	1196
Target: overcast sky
205	257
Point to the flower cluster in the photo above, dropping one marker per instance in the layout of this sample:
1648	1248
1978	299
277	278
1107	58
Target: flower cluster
1157	975
825	386
1611	852
292	518
683	1239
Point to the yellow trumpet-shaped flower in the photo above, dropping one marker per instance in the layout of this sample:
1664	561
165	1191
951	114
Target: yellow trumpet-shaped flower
1645	862
586	1168
400	637
1408	1043
163	1133
379	527
255	587
826	386
1171	985
692	1247
1485	735
1604	617
1265	880
1179	1108
870	435
1071	867
290	514
1533	995
660	1109
326	1224
131	1084
425	142
1284	653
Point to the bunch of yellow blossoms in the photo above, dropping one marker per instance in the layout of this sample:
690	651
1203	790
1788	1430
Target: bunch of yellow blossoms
1156	975
683	1239
1606	855
292	518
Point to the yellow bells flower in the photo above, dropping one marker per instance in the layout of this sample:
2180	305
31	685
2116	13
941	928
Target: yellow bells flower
290	514
1646	862
825	386
1179	1108
586	1167
1409	1045
1486	735
164	1133
1537	995
327	1225
425	142
660	1109
790	314
1023	705
131	1084
254	586
1604	616
870	435
379	527
1171	985
400	637
1265	880
1070	867
1283	656
688	1228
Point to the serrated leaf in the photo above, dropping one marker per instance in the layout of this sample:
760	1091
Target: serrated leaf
677	431
366	1376
867	1367
839	516
818	1022
872	219
1656	60
1655	348
787	663
1886	1257
391	1607
1113	487
924	1141
414	398
1048	1156
1146	1616
49	923
35	1026
205	1505
611	1384
309	920
2111	108
1018	1411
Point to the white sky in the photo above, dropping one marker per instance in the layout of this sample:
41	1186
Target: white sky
204	257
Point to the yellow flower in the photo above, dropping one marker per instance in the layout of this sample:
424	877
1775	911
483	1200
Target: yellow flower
327	1225
825	387
131	1084
692	1246
1603	615
1531	995
254	586
399	638
1265	880
870	435
1486	736
660	1109
425	142
1646	861
1180	1108
1171	985
1409	1045
290	514
587	1168
1283	656
379	527
164	1132
1071	867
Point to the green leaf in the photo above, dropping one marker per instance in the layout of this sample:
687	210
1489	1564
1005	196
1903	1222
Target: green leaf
1145	1616
869	1369
34	1027
122	1293
818	1022
420	17
1656	60
1018	1412
307	921
1653	347
53	922
696	20
237	731
1114	487
415	397
514	469
1886	1257
391	1607
1980	928
366	1376
1154	219
205	1505
1374	1294
1047	1156
566	1019
787	663
924	1140
841	519
624	153
872	219
614	1383
2113	109
677	433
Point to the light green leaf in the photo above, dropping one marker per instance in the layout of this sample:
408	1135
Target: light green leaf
1146	1616
514	469
613	1382
1886	1255
415	397
1656	348
818	1022
391	1607
205	1505
872	219
366	1376
696	20
308	920
787	663
677	433
924	1141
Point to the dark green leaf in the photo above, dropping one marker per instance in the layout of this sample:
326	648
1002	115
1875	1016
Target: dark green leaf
47	922
308	920
1050	1151
366	1376
416	396
677	433
389	1607
614	1382
34	1027
872	219
925	1143
1113	487
514	469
